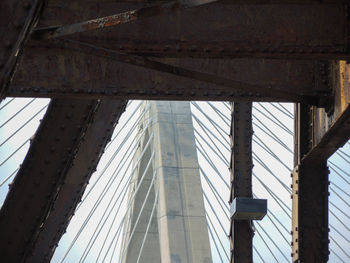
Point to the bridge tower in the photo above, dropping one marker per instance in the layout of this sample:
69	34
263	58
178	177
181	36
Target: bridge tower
166	222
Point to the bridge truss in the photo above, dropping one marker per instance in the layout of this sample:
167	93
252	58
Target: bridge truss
90	58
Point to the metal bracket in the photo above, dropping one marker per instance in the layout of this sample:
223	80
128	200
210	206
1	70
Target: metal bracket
243	208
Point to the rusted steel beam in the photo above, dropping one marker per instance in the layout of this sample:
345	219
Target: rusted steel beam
241	233
310	212
327	131
17	19
58	13
143	62
140	14
76	179
62	72
309	195
335	137
118	19
302	131
310	188
331	127
39	180
223	30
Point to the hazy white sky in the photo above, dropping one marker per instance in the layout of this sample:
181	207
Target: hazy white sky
216	144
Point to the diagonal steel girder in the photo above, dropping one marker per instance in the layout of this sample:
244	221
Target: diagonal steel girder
17	19
144	13
63	154
147	12
118	19
220	29
72	73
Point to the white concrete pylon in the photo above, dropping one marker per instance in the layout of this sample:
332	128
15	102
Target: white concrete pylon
178	230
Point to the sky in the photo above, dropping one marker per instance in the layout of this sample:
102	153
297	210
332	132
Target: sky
211	128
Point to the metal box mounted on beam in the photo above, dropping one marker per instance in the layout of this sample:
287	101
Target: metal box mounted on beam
243	208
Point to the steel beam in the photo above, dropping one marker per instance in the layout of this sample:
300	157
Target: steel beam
17	19
59	13
309	195
156	65
220	30
118	19
330	128
310	212
76	179
319	134
141	14
241	233
32	195
60	73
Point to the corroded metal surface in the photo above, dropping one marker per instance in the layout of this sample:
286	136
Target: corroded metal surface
241	233
220	30
331	128
41	175
61	73
310	212
118	19
335	137
193	51
319	133
17	19
76	179
148	11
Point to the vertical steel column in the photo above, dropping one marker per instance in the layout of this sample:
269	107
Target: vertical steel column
310	194
241	233
302	131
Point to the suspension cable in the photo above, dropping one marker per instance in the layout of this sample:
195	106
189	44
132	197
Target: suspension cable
14	152
7	103
23	125
273	119
138	217
8	177
268	247
340	247
215	244
132	172
216	194
273	242
217	236
208	159
18	112
148	226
